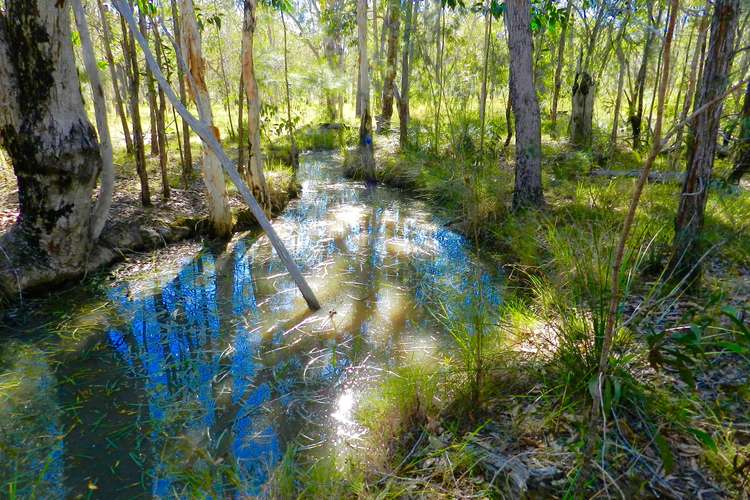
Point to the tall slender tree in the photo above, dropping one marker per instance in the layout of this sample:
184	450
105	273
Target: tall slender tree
254	173
187	154
220	216
403	101
107	36
128	48
365	125
389	85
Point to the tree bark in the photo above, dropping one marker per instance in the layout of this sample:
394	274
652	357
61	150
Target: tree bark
403	102
113	76
528	184
582	111
219	214
254	177
365	125
394	24
50	142
187	156
742	155
685	260
241	128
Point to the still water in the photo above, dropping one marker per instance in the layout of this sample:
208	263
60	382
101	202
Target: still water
204	368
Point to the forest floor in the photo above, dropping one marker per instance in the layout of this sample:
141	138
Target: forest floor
676	404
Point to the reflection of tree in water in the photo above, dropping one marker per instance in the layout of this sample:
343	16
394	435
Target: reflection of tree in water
175	343
31	435
230	380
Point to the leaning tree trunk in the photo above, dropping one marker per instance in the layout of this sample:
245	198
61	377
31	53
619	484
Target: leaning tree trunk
50	142
686	253
254	173
394	22
403	101
528	187
219	214
742	161
581	116
365	125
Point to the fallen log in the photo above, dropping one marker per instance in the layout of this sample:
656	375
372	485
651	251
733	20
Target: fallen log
661	177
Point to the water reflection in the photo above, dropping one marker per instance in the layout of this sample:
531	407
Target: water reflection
223	365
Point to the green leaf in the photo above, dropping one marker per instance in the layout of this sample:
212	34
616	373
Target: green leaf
665	452
704	438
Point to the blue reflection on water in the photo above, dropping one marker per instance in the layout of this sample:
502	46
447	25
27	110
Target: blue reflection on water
213	362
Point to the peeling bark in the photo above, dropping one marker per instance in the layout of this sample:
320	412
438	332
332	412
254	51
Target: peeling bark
220	215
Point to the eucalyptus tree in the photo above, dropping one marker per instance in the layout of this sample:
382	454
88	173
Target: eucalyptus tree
219	213
528	184
50	142
363	96
133	75
393	27
595	18
406	57
687	249
187	154
557	85
254	173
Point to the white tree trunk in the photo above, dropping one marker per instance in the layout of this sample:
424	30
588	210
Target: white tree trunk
365	126
254	174
101	210
219	214
46	133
